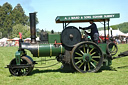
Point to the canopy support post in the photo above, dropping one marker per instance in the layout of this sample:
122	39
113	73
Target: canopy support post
104	31
108	28
65	24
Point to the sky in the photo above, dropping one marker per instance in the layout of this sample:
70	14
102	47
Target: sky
48	10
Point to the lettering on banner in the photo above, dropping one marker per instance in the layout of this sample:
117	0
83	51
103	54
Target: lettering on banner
98	16
108	16
87	17
65	18
77	17
81	17
69	18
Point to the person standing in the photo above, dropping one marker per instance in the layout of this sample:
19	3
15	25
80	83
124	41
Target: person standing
94	31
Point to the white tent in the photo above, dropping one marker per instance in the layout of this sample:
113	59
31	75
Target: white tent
30	39
3	39
114	33
27	39
38	39
16	38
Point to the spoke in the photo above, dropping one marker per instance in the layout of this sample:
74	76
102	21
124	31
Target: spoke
93	53
87	49
24	71
88	66
78	62
78	58
81	51
93	65
91	50
95	56
84	67
114	48
94	60
81	65
84	48
78	54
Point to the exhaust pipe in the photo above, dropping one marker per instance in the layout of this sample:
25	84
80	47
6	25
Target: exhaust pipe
33	27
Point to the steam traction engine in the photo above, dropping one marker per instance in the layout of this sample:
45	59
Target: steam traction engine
69	48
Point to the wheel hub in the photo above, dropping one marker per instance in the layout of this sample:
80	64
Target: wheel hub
87	57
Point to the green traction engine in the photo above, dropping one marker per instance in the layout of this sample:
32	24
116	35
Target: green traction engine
69	48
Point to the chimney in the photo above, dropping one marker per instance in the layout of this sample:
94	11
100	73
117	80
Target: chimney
33	27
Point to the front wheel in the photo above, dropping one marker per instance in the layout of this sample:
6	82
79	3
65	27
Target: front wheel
21	71
87	57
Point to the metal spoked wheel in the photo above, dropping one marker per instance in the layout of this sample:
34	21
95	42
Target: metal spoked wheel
87	57
21	71
112	48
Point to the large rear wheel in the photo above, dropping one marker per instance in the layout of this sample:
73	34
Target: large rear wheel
87	57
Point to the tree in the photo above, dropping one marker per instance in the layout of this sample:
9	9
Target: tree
0	35
114	27
19	16
10	17
6	23
25	30
122	27
38	31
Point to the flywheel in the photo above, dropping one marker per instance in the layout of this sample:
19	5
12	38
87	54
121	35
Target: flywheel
70	36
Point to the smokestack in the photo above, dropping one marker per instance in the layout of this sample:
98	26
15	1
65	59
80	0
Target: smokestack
33	27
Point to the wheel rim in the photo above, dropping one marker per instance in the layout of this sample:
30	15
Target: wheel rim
21	71
87	57
112	48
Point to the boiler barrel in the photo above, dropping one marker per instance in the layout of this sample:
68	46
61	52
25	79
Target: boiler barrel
50	50
41	50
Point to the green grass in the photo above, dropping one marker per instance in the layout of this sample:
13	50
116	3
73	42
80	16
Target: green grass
54	76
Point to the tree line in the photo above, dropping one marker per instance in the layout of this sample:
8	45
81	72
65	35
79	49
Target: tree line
13	20
122	27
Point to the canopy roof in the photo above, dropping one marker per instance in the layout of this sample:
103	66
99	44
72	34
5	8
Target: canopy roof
86	18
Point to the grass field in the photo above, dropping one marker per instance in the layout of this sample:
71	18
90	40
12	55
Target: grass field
54	76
